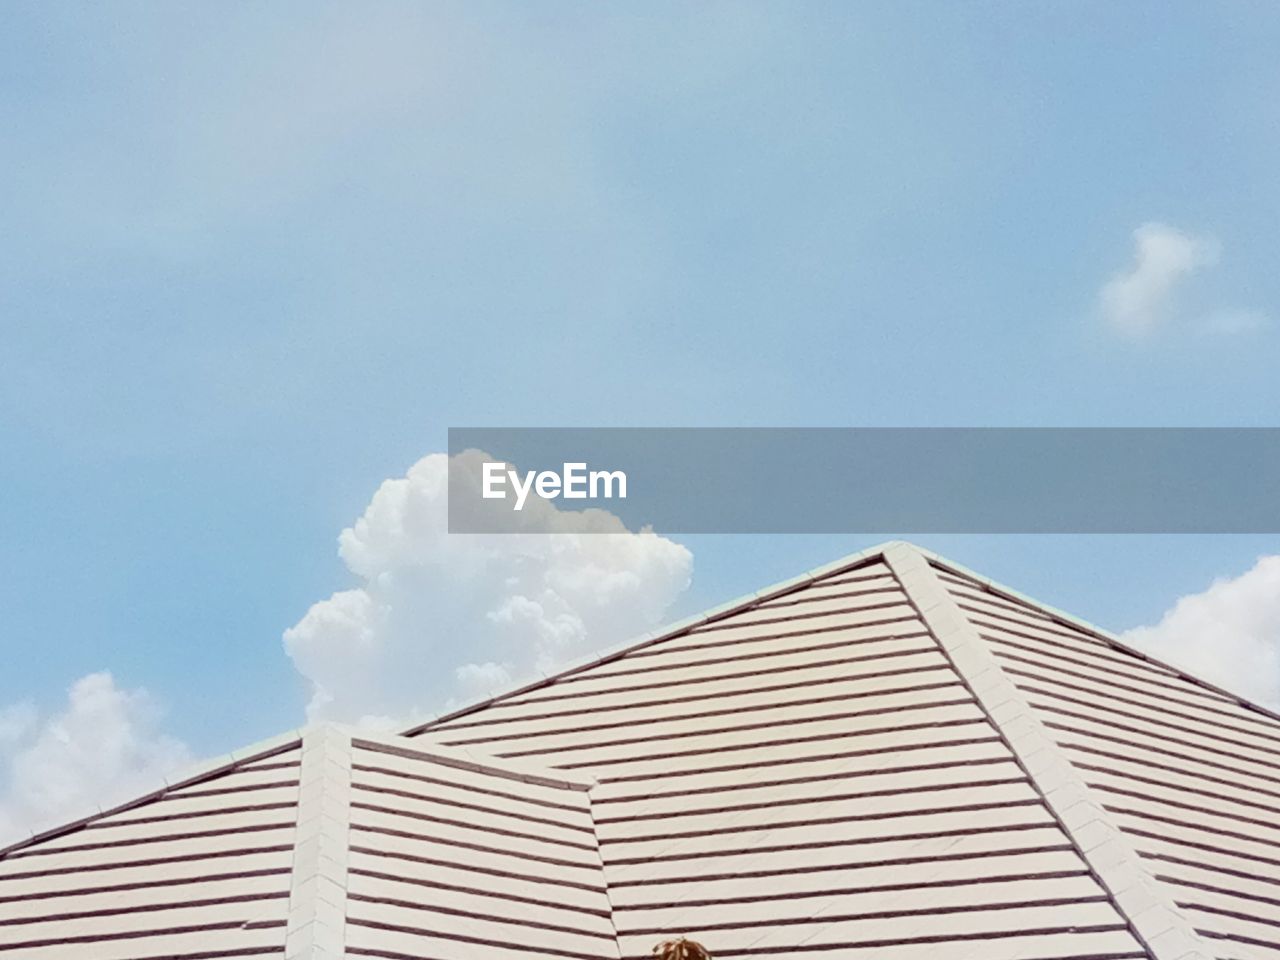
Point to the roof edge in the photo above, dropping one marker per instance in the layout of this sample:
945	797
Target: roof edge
1070	620
1151	914
668	632
201	771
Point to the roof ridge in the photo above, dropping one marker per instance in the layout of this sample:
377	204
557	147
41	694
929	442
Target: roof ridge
315	925
1153	917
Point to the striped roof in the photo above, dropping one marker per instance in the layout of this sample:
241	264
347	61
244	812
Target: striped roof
200	868
887	758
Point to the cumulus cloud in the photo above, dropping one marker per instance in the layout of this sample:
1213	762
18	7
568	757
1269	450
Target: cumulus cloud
1138	300
1229	634
101	748
437	617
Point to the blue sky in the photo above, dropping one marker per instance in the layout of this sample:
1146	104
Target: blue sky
256	260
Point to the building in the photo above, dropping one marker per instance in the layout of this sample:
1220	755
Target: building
887	758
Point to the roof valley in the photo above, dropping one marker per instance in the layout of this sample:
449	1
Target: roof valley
1162	928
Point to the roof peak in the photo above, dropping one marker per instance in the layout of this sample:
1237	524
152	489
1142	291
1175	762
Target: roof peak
868	555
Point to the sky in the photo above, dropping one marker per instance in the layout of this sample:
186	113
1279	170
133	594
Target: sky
255	260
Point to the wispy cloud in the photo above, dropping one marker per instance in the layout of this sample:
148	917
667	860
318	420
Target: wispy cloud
1228	634
439	617
103	746
1140	299
1147	296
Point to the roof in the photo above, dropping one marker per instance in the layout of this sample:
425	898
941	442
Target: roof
890	757
199	868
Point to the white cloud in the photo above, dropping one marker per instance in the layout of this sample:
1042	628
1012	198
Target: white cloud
16	721
1137	301
102	748
475	679
1229	634
439	617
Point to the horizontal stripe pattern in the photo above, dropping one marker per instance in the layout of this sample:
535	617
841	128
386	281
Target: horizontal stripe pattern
454	861
803	776
1191	774
198	871
806	776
